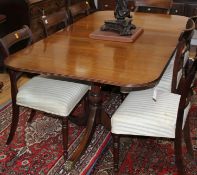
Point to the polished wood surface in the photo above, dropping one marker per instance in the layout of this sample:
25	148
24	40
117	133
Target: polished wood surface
72	53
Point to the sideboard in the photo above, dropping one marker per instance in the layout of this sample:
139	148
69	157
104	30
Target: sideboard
178	7
29	12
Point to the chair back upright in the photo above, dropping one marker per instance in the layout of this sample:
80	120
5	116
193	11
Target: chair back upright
153	6
78	10
182	54
184	90
54	22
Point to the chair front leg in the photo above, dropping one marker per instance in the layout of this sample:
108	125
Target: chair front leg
32	114
116	145
187	138
15	107
178	155
14	124
65	137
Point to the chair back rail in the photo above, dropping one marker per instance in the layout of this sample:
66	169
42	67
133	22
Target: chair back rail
78	10
13	42
194	18
11	39
54	22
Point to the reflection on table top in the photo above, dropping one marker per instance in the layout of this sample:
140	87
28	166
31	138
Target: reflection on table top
71	53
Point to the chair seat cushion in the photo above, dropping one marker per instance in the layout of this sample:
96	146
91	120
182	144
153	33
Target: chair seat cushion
51	95
140	115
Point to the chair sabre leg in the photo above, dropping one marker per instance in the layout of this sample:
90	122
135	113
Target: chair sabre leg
15	119
32	114
178	156
187	138
65	137
116	141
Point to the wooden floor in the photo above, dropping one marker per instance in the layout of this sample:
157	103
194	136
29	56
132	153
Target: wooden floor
5	94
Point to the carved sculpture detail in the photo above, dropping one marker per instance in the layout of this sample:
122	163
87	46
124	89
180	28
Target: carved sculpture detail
121	10
122	24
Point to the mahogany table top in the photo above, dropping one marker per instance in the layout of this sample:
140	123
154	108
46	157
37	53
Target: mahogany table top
71	53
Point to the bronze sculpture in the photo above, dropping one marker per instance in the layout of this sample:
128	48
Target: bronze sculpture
122	24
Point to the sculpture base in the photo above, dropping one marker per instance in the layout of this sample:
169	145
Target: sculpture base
114	36
124	27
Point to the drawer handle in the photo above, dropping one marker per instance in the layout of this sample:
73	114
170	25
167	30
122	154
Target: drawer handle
106	5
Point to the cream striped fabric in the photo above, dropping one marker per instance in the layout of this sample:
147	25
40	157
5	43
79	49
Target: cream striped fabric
51	95
140	115
194	38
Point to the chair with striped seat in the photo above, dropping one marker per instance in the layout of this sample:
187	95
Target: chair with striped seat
171	76
139	115
50	94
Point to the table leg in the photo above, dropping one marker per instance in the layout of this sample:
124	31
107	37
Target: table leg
94	98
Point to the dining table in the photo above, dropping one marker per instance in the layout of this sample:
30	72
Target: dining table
72	53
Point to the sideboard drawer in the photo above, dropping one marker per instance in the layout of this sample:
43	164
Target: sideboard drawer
191	9
177	9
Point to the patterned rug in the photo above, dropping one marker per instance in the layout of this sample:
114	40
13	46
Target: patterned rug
37	147
148	156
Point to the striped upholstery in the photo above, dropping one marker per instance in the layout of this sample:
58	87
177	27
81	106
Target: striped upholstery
51	95
194	38
140	115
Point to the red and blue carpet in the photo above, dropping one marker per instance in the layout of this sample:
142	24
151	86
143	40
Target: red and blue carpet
37	149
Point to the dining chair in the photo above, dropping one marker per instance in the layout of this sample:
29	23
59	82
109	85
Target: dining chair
139	115
153	6
171	75
48	94
54	22
78	10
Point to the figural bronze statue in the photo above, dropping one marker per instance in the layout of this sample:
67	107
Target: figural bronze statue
122	24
